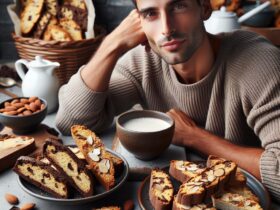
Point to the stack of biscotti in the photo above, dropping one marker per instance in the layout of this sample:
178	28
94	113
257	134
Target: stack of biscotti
95	154
54	20
42	175
161	190
184	170
210	181
68	164
232	201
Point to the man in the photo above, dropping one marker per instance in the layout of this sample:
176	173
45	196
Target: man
222	91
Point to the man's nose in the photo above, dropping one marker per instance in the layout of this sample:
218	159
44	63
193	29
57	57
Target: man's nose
167	26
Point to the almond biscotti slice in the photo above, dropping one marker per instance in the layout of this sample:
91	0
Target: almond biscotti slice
161	190
59	34
67	163
231	201
76	3
184	170
95	154
42	25
178	206
206	184
72	28
30	15
47	34
52	7
41	175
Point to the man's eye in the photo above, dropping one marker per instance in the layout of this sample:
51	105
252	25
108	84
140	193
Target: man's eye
180	7
149	14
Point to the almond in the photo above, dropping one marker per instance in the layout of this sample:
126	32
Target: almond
14	101
28	206
11	113
18	105
21	109
33	107
38	102
7	104
12	199
10	108
219	172
24	100
27	112
43	106
32	99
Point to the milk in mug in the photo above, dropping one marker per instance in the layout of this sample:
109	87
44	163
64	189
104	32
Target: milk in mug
146	124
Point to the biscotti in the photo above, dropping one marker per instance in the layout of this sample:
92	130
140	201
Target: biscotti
161	190
239	179
30	15
47	34
59	34
41	175
70	166
178	206
231	201
76	3
42	25
184	170
95	154
72	28
52	7
209	182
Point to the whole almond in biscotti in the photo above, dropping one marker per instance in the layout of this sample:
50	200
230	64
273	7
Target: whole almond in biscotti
72	28
30	15
42	25
59	34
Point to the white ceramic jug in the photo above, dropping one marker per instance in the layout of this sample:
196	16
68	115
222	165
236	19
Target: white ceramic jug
224	21
39	80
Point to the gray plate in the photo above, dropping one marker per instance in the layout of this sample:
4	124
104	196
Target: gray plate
99	191
257	188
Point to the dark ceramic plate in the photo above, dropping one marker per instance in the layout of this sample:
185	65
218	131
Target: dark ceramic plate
257	188
99	191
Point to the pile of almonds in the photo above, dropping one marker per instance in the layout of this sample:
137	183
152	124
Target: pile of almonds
13	200
23	106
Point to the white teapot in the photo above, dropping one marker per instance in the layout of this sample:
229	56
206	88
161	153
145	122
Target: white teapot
223	21
39	80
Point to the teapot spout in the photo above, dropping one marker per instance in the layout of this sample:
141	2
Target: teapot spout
254	11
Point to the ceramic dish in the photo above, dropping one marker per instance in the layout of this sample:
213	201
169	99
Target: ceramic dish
257	188
76	198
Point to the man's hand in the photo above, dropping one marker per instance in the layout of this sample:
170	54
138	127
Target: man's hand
186	131
129	33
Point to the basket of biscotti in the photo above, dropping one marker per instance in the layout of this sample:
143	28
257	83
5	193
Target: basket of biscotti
59	30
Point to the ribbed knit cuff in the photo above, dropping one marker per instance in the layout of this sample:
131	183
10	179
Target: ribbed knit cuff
269	169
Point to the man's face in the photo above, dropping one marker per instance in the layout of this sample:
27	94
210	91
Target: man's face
174	28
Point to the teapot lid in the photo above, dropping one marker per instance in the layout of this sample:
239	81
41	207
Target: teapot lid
223	13
40	62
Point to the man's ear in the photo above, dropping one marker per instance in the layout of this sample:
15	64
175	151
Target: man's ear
206	9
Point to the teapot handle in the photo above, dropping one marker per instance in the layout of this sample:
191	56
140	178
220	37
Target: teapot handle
19	69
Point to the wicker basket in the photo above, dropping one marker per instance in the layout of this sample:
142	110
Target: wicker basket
71	55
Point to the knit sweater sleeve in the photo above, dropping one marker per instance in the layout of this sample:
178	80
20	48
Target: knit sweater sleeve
259	84
78	104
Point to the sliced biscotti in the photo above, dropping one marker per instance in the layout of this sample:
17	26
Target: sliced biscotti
178	206
76	3
42	25
70	166
161	190
210	181
52	7
41	175
231	201
239	179
95	154
72	28
47	34
184	170
59	34
30	15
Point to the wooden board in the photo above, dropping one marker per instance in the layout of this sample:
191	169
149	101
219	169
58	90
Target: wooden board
9	157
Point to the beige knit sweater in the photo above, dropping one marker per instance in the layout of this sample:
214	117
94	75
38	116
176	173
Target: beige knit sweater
238	100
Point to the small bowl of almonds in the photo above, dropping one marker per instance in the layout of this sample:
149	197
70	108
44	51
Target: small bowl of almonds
23	114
